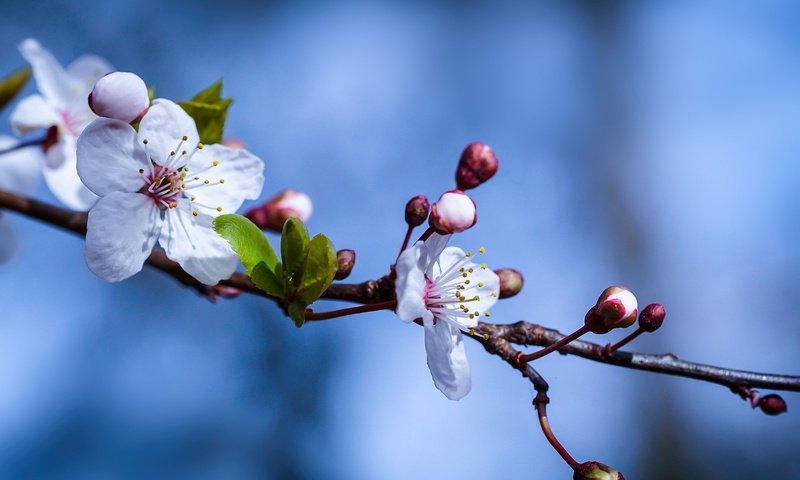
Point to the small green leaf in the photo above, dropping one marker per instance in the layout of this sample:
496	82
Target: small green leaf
294	249
151	93
11	85
247	240
266	280
209	110
319	269
297	310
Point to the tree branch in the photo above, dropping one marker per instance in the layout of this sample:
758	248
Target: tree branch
496	339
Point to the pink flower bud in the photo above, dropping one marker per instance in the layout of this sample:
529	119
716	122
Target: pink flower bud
346	261
119	95
275	211
478	163
652	317
511	282
595	471
616	308
453	213
417	210
772	404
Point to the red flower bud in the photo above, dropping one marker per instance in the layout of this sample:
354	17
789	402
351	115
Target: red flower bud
454	212
275	211
346	261
511	282
652	317
417	210
478	163
595	471
772	404
616	308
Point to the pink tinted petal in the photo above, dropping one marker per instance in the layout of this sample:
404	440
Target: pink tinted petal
109	157
191	241
122	229
447	359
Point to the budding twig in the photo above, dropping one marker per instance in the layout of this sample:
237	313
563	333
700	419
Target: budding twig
314	316
540	402
525	358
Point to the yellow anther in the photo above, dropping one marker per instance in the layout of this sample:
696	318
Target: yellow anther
215	163
468	254
141	170
466	281
206	181
488	314
184	138
219	209
192	199
144	141
480	284
221	180
494	294
482	249
461	269
200	146
183	152
471	331
172	154
464	275
195	213
470	270
484	266
173	204
471	315
185	168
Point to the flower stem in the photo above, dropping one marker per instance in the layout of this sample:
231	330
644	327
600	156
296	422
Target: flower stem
522	359
540	402
313	316
405	240
22	144
623	342
427	234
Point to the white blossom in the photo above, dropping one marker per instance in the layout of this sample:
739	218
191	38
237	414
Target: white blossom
161	184
449	292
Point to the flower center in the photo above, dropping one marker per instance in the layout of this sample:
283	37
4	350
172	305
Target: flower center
167	182
450	293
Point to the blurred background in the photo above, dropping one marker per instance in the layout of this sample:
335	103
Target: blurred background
649	144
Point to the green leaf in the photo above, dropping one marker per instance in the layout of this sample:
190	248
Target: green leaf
247	240
267	280
151	93
209	111
11	85
320	267
294	249
297	310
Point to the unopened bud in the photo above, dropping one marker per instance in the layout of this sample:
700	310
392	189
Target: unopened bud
478	163
511	282
346	260
772	404
616	308
120	95
652	317
596	471
275	211
454	212
417	210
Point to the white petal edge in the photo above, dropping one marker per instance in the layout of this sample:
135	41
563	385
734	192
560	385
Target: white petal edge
121	232
164	126
447	359
20	170
192	242
241	174
32	113
51	79
109	157
410	284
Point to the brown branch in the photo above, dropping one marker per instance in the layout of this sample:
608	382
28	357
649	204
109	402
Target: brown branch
498	339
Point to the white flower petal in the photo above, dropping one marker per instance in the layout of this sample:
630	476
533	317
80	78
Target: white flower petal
435	244
447	359
192	242
122	229
164	126
51	79
20	170
32	113
88	69
109	158
241	174
410	284
63	179
9	245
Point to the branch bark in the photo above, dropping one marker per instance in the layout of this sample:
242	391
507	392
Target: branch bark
497	339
